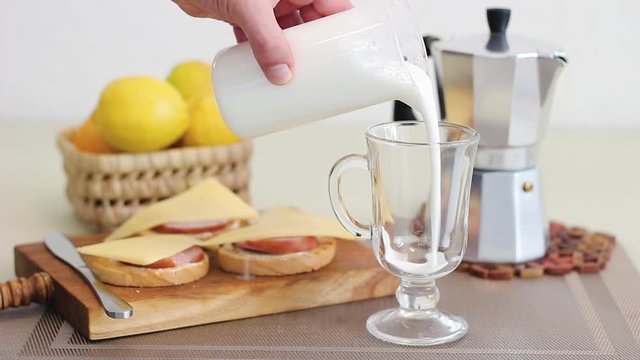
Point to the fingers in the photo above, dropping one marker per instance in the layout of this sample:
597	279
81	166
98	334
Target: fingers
284	8
323	7
315	9
240	35
289	20
330	7
261	24
268	42
190	8
309	13
287	14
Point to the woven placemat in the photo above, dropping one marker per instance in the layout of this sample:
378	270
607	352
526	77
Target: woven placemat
575	316
573	248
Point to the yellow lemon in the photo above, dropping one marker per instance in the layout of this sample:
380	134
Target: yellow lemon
141	113
192	79
207	127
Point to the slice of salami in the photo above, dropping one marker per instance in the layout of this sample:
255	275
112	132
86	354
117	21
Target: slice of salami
193	254
192	227
281	245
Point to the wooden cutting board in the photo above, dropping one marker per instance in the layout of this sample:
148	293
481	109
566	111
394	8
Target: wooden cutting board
353	275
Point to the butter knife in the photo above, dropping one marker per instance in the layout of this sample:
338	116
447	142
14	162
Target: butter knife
64	249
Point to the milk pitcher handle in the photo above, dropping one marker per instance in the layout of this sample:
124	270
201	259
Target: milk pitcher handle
347	162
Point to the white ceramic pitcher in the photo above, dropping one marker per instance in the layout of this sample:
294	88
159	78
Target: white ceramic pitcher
344	62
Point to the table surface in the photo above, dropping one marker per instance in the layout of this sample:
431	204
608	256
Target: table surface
589	178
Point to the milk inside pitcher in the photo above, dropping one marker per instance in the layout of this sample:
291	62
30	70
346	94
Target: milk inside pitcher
344	62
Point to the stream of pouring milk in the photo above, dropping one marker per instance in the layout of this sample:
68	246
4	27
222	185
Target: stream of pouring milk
423	101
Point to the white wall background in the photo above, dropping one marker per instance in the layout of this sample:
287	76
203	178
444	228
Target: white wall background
56	56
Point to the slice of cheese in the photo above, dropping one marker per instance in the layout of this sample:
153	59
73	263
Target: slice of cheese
208	200
141	250
281	222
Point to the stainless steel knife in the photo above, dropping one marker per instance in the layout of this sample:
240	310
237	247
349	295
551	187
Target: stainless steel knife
64	249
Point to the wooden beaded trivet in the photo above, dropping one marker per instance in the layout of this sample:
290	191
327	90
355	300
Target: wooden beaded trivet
570	248
37	288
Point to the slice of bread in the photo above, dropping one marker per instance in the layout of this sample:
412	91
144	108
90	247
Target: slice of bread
239	261
118	273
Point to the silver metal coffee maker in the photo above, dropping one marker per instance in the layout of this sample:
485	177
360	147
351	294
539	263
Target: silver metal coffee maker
502	85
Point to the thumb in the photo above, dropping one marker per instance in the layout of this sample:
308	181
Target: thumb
267	40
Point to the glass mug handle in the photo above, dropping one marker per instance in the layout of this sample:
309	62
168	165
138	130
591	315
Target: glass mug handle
352	161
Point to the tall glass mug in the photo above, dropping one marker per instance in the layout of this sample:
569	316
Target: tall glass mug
344	62
405	240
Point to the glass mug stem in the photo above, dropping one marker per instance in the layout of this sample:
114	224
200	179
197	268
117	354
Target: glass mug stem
413	296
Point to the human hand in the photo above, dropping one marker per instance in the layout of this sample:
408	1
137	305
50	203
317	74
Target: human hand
261	23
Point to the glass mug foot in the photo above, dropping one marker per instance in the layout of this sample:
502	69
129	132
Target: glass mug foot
416	327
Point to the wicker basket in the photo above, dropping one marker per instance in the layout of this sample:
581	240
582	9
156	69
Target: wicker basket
105	190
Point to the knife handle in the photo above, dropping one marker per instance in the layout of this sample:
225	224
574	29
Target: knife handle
113	305
22	291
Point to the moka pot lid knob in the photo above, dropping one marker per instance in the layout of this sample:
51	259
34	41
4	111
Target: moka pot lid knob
498	42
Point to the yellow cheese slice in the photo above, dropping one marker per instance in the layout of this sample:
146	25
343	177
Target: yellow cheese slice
141	250
208	200
281	222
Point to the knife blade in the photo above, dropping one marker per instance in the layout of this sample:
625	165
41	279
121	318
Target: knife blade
64	250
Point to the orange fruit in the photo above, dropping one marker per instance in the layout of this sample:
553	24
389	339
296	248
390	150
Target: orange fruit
88	139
